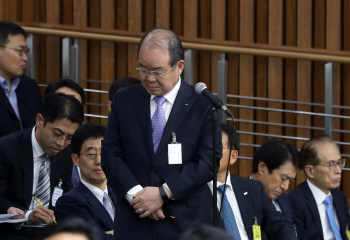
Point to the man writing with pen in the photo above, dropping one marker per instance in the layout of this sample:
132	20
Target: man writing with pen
34	161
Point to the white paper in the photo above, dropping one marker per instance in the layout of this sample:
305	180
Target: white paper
57	193
174	153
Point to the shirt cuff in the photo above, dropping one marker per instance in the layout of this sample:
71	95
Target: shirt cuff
166	185
130	194
27	214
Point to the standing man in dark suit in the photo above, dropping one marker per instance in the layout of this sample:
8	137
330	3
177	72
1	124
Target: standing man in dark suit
20	99
275	164
246	199
35	161
158	147
320	210
91	200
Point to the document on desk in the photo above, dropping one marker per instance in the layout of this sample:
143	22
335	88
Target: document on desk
8	218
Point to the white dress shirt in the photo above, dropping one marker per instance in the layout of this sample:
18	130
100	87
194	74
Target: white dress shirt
98	193
234	205
167	106
37	153
319	196
277	205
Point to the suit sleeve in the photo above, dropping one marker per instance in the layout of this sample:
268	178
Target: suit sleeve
68	206
274	223
4	175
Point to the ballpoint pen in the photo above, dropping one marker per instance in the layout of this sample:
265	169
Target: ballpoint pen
41	205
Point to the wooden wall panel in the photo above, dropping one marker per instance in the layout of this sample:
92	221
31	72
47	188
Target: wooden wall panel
94	58
303	72
261	68
121	66
275	66
163	13
246	84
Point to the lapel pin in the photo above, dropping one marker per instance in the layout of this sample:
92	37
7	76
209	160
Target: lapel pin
186	104
245	193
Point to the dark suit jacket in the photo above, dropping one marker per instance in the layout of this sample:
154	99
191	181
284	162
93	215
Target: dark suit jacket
16	170
29	105
286	207
128	160
81	202
255	203
306	215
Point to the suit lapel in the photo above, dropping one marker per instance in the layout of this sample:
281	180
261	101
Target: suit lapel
285	207
6	103
243	205
178	112
311	203
144	115
27	163
340	210
99	209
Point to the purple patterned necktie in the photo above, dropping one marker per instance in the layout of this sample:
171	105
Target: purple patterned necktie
158	122
107	206
42	192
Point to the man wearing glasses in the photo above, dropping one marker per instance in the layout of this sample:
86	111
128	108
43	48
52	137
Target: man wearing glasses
158	147
91	199
20	99
35	161
320	210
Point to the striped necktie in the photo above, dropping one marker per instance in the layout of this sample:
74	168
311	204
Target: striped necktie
42	192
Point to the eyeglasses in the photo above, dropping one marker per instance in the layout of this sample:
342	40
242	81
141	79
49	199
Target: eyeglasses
145	72
20	51
58	138
92	155
333	164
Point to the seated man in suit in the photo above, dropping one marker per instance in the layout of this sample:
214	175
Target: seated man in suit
119	84
320	210
245	200
35	161
20	98
66	86
91	200
275	164
69	87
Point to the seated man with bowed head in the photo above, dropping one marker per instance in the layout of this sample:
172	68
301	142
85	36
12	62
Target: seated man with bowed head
91	200
245	202
275	165
35	161
320	210
20	98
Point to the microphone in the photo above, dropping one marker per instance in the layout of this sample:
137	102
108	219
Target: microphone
201	88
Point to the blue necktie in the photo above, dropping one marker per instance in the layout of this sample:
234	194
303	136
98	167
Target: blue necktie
42	192
107	206
158	122
331	219
75	176
228	216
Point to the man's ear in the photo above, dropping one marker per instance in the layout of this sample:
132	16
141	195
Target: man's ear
262	168
309	171
234	157
75	159
39	120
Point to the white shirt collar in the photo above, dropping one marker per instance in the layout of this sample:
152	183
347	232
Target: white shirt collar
37	150
170	96
228	183
95	190
319	195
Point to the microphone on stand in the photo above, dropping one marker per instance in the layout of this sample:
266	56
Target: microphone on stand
201	88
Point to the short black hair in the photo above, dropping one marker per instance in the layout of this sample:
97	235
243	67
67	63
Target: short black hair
65	82
70	225
275	152
85	132
59	106
206	232
120	84
233	136
9	28
173	42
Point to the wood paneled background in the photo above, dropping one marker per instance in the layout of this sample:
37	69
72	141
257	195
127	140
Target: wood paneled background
323	24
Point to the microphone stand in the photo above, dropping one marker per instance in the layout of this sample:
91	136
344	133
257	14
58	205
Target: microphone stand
215	173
